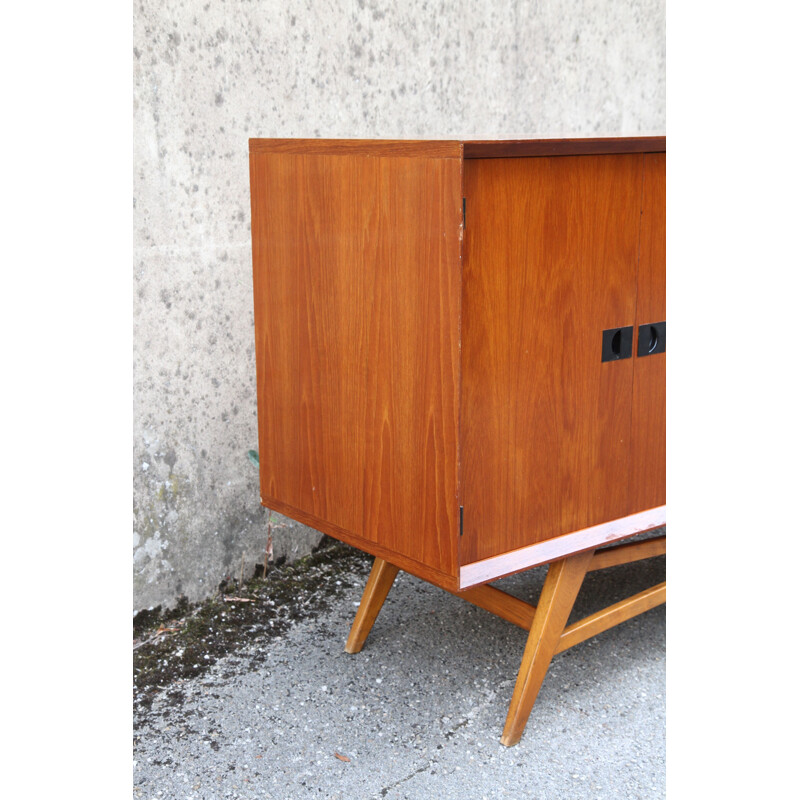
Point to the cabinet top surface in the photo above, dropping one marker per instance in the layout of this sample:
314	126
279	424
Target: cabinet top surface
455	148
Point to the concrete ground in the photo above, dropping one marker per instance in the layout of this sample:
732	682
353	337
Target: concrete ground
419	712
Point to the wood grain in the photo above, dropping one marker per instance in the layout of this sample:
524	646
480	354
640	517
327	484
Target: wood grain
508	148
648	462
551	247
356	274
561	586
518	148
611	616
500	603
626	553
407	564
365	147
381	578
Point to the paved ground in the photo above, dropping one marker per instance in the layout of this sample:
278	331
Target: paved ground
419	711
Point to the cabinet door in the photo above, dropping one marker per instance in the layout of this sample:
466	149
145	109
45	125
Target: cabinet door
550	262
649	419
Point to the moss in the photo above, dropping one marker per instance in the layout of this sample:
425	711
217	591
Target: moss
145	621
185	642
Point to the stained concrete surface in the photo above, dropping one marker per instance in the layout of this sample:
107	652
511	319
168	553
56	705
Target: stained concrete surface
419	711
207	76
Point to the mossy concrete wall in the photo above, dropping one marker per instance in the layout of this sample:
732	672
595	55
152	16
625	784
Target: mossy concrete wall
209	75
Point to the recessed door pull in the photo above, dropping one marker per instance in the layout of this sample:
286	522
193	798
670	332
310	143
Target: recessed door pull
652	339
617	343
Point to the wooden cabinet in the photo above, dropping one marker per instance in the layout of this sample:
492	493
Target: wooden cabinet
429	323
447	346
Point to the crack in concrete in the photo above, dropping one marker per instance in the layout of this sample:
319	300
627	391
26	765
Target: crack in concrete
452	730
448	735
387	789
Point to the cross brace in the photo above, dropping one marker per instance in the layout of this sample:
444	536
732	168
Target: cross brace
546	622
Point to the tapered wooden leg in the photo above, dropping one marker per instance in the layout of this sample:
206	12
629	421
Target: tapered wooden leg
379	582
564	579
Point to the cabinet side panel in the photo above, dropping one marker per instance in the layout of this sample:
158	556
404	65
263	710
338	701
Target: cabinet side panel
648	472
356	270
551	247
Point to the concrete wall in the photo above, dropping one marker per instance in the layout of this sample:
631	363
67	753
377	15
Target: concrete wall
207	76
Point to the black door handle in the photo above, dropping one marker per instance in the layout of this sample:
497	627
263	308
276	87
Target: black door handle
617	343
652	339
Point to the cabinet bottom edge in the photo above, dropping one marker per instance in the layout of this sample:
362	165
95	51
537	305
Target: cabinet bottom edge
489	569
416	568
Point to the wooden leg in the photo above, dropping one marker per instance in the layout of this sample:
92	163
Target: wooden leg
564	579
379	582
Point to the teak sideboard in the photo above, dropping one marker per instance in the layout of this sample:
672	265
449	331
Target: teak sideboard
460	351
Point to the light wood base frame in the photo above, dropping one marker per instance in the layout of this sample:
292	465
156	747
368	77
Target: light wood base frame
546	622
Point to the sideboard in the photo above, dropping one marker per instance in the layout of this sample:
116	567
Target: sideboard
460	353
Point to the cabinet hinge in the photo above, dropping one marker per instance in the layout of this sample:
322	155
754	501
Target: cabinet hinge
464	212
461	520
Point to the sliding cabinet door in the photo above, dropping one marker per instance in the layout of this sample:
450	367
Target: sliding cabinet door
550	263
649	420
